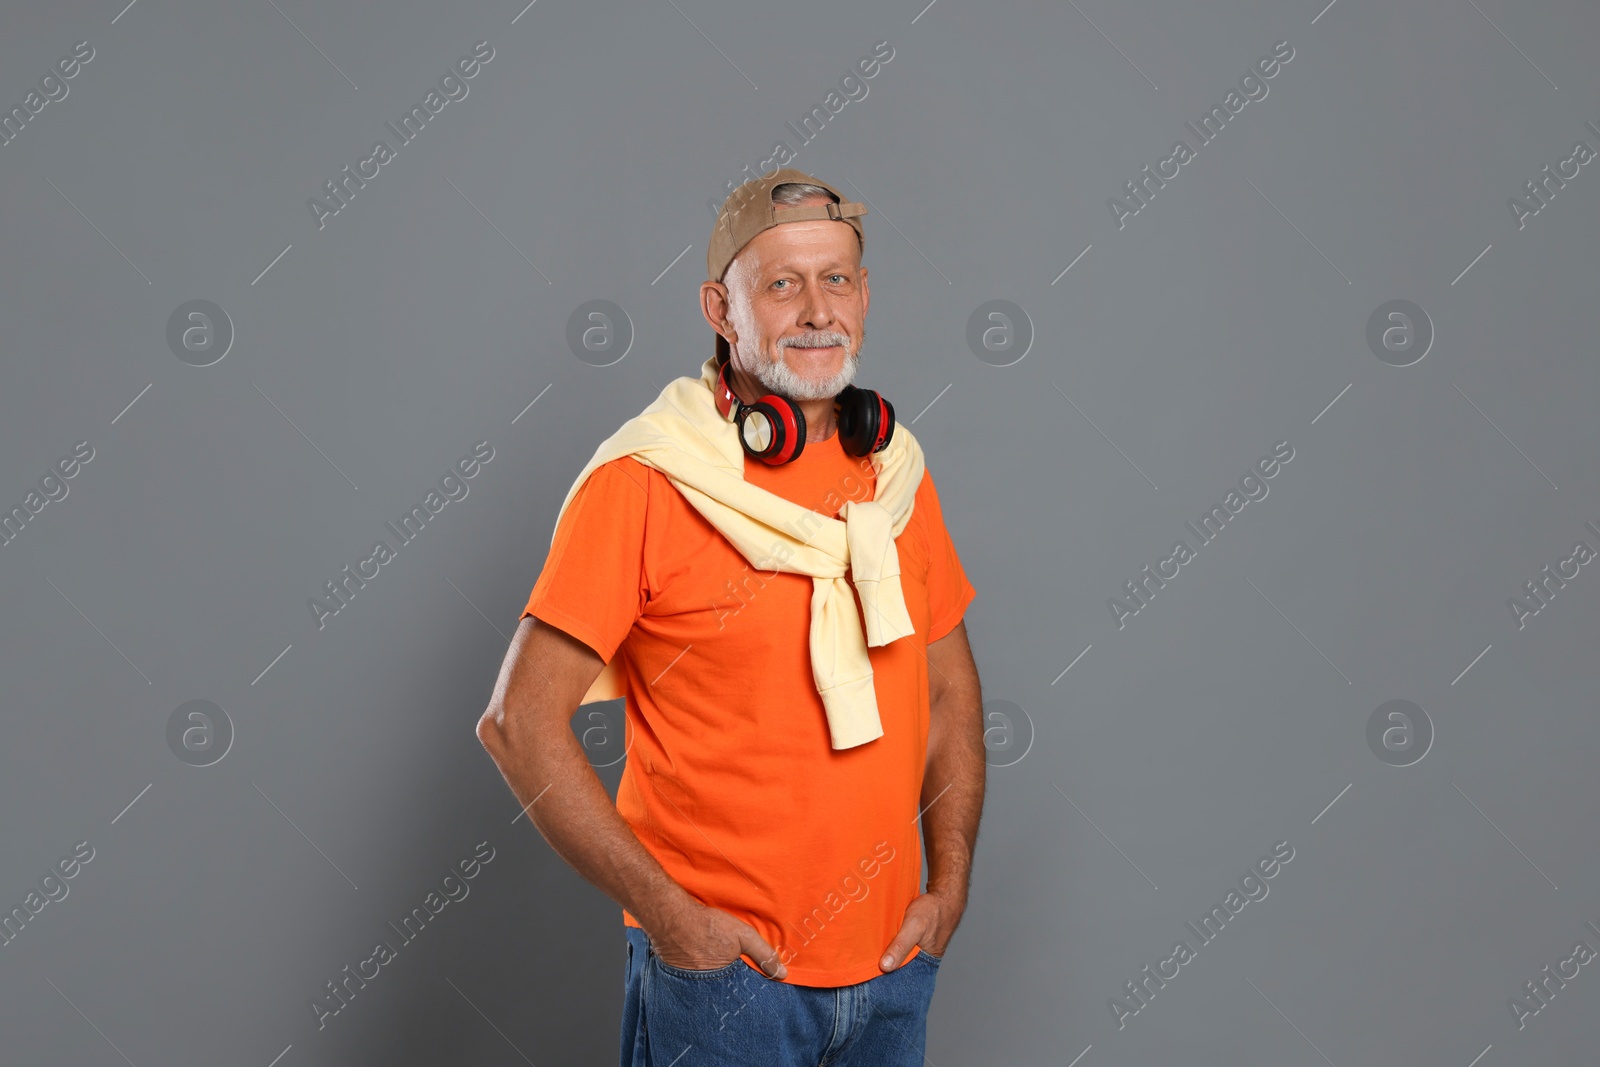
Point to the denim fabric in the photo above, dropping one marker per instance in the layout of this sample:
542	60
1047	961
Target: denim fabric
672	1017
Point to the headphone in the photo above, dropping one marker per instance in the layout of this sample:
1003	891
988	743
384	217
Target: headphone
773	429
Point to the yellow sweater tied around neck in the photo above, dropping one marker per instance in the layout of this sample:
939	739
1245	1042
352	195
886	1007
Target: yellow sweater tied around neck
682	435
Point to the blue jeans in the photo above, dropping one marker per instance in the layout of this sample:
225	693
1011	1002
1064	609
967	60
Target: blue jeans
672	1017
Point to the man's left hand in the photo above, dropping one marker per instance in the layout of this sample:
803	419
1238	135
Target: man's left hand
929	922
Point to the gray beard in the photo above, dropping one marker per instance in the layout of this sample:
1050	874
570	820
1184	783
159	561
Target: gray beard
779	378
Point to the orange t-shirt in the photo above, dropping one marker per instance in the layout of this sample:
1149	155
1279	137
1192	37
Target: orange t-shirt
730	781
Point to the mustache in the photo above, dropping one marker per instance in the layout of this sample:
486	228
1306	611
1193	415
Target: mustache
816	340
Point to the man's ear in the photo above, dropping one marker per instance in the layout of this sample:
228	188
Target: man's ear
714	306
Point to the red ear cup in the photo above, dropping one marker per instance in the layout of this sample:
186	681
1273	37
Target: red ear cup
885	425
772	430
866	421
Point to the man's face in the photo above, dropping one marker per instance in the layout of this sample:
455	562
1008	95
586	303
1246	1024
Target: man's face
798	303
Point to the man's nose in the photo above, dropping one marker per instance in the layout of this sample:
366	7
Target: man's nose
818	312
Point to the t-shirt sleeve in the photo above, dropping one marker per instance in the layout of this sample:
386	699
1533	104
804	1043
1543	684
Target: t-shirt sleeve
949	592
593	583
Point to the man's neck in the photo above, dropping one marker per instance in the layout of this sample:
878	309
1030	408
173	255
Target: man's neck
820	420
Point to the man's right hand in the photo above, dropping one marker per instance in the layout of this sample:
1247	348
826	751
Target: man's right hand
695	937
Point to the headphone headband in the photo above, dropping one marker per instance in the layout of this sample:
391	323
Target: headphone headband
725	396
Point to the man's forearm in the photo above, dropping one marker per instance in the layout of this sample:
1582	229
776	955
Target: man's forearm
952	789
552	779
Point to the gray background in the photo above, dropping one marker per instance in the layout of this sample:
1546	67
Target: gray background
1228	315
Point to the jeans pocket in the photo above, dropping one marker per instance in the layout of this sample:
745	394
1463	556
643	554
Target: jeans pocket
923	953
698	975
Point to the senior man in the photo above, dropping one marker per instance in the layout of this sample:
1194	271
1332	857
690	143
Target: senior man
758	564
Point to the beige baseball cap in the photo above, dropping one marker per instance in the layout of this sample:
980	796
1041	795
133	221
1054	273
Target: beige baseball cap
749	210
